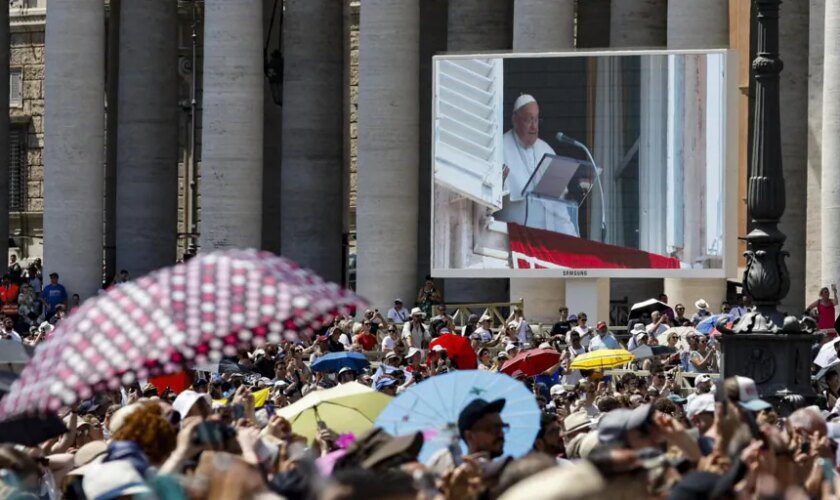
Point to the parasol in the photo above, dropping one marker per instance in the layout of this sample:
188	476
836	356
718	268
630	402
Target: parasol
650	351
647	306
827	354
532	362
458	349
433	406
335	361
346	408
192	313
602	359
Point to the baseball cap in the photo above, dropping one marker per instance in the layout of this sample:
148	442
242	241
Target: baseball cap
748	395
703	403
398	301
187	399
347	369
613	427
384	382
703	379
475	410
511	346
392	354
557	390
600	325
438	348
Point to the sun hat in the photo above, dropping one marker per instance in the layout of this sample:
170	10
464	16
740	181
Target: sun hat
114	479
418	312
701	304
577	421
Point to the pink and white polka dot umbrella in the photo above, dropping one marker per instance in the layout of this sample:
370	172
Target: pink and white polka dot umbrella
190	313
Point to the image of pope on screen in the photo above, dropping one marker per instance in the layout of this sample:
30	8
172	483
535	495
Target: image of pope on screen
579	162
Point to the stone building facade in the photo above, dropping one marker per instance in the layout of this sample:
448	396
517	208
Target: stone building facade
26	141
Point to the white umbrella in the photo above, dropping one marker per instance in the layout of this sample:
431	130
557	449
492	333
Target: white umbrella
648	306
827	354
824	371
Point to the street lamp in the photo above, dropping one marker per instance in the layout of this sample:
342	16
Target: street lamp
273	64
764	344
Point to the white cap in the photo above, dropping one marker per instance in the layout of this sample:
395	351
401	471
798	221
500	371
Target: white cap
187	399
522	100
700	404
557	389
702	378
117	478
438	348
510	347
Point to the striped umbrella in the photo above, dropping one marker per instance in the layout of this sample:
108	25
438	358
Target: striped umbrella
192	313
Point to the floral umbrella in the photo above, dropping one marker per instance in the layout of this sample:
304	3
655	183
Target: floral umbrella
192	313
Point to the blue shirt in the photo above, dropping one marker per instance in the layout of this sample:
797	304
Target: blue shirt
549	380
605	342
54	295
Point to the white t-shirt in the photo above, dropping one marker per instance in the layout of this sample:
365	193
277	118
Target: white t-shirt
416	334
400	316
12	335
655	332
585	336
388	343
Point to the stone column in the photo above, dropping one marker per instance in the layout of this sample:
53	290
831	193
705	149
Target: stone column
112	77
147	143
74	143
272	120
230	184
793	50
473	26
638	23
542	25
4	126
476	25
311	201
388	118
813	257
697	24
593	24
831	145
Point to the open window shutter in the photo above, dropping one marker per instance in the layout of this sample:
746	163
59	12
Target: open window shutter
468	137
17	170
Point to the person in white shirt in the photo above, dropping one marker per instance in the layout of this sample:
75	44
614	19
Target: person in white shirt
658	325
523	330
523	150
390	340
398	313
414	332
584	331
8	332
483	333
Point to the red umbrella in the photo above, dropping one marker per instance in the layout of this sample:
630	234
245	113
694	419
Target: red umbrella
532	362
458	349
192	313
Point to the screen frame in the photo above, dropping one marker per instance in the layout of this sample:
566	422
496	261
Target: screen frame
731	181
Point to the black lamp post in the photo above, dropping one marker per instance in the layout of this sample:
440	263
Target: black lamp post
273	63
764	345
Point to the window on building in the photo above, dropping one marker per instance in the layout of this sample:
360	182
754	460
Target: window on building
16	87
17	169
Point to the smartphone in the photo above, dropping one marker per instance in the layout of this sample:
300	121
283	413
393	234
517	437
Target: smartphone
322	426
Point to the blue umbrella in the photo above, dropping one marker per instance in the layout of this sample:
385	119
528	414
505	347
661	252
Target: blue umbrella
335	361
708	324
433	406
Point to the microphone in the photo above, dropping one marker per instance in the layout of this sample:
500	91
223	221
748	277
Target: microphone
561	137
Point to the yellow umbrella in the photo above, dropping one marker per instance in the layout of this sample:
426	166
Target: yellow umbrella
601	359
350	407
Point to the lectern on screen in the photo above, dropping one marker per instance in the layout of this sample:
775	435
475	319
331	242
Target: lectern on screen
602	164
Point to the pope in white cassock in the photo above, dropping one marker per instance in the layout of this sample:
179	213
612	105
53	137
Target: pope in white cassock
523	152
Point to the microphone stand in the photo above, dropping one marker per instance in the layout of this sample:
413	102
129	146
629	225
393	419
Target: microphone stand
564	138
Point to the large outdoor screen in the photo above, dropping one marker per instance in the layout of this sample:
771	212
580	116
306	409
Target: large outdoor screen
619	164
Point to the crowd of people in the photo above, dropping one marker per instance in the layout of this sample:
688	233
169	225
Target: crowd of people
659	426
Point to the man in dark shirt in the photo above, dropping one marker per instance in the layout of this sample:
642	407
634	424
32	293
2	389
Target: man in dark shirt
562	326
